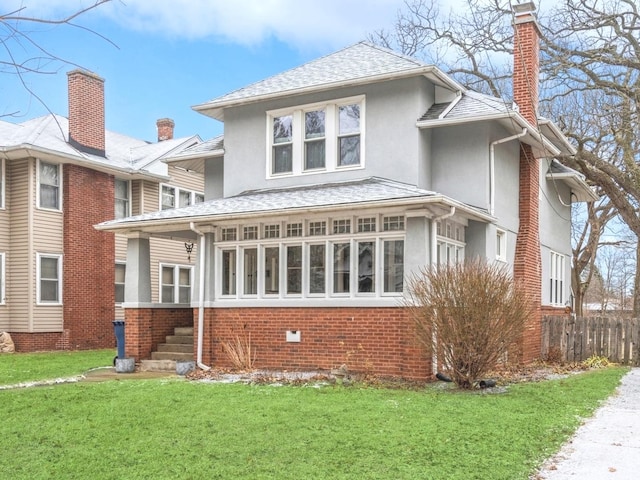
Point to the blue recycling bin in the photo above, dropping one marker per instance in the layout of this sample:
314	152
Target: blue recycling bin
118	328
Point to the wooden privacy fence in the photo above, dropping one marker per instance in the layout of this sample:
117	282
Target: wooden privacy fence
574	339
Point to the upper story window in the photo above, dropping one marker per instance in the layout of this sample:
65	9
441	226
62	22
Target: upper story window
49	186
122	196
316	138
174	197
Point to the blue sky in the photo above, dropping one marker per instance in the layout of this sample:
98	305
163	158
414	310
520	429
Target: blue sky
173	54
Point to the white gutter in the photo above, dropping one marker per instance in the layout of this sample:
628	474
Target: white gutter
201	290
492	167
434	233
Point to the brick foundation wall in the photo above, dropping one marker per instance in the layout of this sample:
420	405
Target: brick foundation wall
89	259
145	328
367	340
41	342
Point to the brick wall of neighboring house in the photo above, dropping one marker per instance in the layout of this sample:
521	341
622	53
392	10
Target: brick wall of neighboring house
527	264
145	328
41	342
366	340
89	258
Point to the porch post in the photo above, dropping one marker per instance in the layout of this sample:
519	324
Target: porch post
137	298
137	279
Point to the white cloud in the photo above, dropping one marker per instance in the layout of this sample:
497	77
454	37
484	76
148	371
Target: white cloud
249	22
299	23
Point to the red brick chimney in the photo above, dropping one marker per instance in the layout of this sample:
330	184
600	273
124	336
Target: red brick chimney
165	129
86	111
527	266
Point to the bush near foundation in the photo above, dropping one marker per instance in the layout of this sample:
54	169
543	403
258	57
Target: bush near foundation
468	315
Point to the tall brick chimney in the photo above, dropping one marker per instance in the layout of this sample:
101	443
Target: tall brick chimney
527	266
165	129
86	112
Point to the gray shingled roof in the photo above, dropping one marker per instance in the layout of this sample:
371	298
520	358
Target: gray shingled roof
472	104
50	133
359	63
214	144
275	201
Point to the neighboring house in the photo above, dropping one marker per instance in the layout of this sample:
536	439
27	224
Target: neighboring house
340	179
58	178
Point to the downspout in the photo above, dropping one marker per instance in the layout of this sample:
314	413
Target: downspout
201	290
434	232
492	168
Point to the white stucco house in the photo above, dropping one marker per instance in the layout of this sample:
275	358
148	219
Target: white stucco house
337	180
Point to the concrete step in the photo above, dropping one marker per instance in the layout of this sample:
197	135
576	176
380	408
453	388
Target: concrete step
175	347
184	339
157	366
171	356
183	331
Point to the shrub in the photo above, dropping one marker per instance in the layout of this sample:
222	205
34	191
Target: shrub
240	351
469	314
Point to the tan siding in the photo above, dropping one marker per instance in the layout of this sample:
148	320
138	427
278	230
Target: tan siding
47	238
166	251
136	201
188	180
20	280
121	248
150	197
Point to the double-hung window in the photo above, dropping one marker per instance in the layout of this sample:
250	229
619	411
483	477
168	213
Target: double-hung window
49	279
556	279
175	283
314	141
122	196
49	186
349	135
282	158
315	138
121	269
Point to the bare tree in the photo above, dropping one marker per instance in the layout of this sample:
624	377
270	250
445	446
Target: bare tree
22	55
590	81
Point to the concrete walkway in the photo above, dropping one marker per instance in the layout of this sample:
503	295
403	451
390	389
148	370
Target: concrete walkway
606	446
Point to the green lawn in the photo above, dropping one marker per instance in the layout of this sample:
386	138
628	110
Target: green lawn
175	429
28	367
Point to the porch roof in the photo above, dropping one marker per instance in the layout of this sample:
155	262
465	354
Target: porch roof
371	192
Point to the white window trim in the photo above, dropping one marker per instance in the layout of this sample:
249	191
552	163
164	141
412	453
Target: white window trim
39	301
3	184
176	195
60	185
176	281
331	137
557	273
3	276
501	245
